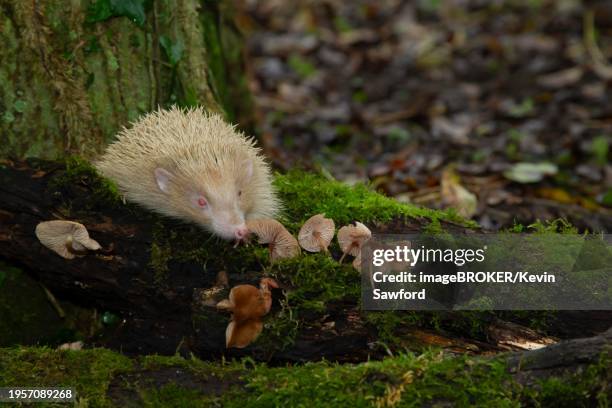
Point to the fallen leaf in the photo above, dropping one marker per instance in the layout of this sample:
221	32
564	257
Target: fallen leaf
530	172
456	196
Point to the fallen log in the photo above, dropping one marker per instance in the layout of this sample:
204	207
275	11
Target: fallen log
160	276
145	273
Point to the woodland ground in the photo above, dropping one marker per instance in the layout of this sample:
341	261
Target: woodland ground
500	108
405	93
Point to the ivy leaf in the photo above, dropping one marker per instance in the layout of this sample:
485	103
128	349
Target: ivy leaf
174	51
606	199
102	10
99	10
109	318
132	9
530	172
600	148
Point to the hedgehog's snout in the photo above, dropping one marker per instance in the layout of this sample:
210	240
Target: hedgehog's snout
241	232
229	224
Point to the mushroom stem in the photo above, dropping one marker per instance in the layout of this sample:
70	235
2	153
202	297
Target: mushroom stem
74	247
345	253
58	308
322	245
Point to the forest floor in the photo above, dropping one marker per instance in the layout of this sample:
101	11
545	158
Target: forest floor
501	109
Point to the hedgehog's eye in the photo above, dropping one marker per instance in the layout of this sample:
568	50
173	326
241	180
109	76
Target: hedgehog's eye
202	202
240	193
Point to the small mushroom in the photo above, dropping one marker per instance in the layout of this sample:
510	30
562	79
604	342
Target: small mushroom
241	334
77	345
357	263
66	238
248	305
352	237
281	243
316	233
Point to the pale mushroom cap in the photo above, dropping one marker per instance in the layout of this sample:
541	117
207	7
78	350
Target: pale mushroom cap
77	345
316	233
64	236
269	231
352	237
265	229
284	246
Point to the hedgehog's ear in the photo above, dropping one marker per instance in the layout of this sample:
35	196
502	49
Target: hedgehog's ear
163	178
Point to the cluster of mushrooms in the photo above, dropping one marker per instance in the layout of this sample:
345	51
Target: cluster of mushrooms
315	236
247	304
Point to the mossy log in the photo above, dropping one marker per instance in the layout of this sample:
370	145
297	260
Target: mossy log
572	373
72	73
159	275
154	272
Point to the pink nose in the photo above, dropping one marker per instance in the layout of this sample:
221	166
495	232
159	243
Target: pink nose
241	232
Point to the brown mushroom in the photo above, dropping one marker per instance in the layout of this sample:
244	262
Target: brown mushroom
241	334
248	305
352	237
281	243
316	233
66	238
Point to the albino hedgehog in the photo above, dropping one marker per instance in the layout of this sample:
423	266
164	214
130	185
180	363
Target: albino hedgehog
192	165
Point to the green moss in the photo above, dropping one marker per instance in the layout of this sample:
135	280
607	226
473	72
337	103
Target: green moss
559	225
78	172
172	395
316	279
24	305
410	380
186	243
160	255
89	372
306	194
590	388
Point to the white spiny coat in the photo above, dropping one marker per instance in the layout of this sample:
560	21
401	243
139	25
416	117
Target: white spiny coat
194	166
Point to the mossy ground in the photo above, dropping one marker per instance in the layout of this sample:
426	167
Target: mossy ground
406	380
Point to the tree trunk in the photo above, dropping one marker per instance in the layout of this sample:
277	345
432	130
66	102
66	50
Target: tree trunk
72	73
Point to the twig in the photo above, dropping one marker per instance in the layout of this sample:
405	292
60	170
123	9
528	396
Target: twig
54	302
600	63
